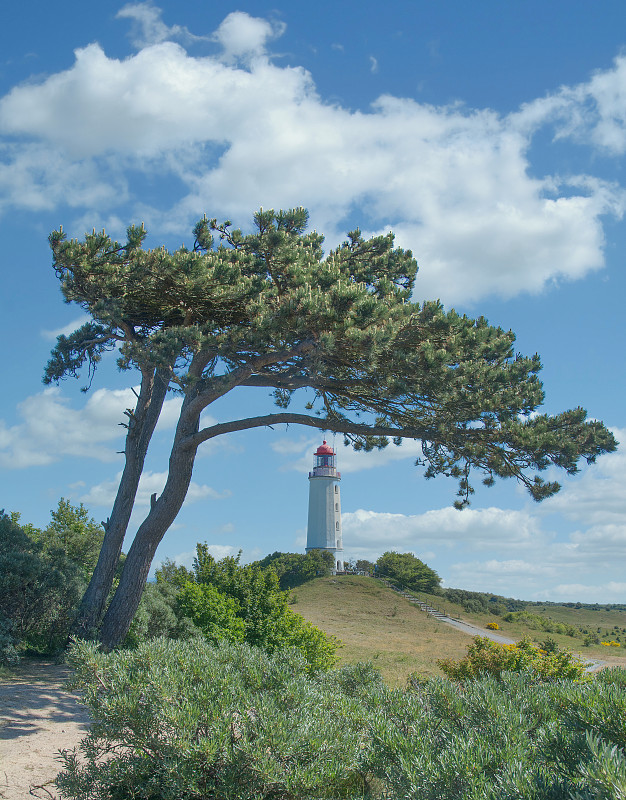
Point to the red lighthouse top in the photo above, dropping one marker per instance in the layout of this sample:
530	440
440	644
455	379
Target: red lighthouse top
324	450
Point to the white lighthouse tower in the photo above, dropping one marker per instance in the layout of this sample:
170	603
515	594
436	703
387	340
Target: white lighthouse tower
324	529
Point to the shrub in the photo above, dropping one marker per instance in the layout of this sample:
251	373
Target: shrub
192	721
539	623
294	569
492	626
38	592
487	657
549	645
183	720
43	574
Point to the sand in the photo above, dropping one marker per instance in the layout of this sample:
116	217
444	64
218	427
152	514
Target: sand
38	718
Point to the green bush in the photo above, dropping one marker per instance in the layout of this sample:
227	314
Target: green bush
38	593
258	603
192	721
497	739
294	569
177	720
212	612
539	623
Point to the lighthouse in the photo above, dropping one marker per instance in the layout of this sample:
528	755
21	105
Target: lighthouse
324	528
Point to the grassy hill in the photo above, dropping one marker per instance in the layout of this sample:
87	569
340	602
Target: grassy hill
374	623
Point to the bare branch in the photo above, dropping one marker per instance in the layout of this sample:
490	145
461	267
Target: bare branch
325	424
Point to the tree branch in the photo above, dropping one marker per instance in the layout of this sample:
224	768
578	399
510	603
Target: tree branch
239	375
336	425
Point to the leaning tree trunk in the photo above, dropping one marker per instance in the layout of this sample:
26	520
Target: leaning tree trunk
125	602
140	429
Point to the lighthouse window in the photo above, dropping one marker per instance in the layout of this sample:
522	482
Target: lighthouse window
336	506
337	525
336	490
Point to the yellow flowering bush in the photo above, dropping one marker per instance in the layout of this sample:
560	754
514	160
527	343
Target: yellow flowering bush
485	656
492	626
610	644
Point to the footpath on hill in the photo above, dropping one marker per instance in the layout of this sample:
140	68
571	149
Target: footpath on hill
38	717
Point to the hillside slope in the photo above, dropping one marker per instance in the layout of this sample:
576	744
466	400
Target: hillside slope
376	624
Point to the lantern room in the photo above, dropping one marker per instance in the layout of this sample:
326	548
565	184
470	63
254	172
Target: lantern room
325	456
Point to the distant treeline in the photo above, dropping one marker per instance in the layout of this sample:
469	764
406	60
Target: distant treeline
488	603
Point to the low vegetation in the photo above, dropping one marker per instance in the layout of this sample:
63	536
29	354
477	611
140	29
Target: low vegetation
191	720
227	685
485	657
375	624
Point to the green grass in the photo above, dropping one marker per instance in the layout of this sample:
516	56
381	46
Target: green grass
376	624
583	618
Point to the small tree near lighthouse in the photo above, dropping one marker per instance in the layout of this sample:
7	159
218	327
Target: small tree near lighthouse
324	527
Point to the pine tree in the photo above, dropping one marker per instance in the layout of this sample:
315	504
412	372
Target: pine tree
269	309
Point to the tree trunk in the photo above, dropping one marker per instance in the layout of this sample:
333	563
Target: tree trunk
141	427
125	602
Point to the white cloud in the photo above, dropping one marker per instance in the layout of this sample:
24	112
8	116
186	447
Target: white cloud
454	183
51	429
65	330
474	529
597	497
373	65
103	494
218	551
525	558
611	592
348	460
148	27
243	37
42	177
601	108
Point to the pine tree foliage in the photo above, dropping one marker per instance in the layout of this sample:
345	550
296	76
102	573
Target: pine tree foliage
270	309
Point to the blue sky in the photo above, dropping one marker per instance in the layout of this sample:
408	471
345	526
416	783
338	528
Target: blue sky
490	137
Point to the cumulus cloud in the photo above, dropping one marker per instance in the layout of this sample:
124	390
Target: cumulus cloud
611	592
349	460
525	556
243	36
103	494
597	497
474	529
456	184
148	27
65	330
51	429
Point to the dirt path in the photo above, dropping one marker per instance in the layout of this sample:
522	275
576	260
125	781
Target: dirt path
37	719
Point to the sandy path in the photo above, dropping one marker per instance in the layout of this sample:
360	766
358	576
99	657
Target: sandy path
37	719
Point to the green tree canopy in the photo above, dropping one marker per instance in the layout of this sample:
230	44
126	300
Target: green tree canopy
234	602
408	571
294	569
43	574
270	309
